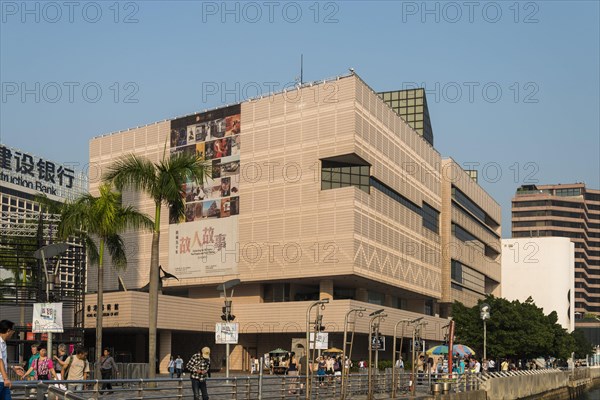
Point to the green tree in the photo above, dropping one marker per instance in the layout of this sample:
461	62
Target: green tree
102	218
582	346
515	330
164	182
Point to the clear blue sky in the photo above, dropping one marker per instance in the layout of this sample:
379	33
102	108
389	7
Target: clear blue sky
543	56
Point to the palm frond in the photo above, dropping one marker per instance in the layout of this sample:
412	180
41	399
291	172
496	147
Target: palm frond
131	171
116	249
92	249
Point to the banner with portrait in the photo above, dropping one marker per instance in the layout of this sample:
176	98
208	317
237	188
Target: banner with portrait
198	244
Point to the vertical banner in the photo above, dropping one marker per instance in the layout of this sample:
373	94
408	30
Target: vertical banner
205	242
47	317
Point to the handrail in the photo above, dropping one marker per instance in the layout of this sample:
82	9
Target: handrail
267	387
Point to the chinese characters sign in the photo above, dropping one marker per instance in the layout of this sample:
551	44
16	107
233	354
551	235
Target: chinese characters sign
33	172
205	242
204	248
47	317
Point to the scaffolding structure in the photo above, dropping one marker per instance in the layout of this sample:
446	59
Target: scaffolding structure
22	278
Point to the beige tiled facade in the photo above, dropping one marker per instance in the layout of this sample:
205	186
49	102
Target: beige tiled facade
299	241
470	265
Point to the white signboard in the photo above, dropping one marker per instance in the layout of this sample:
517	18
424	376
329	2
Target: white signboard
47	317
378	343
204	248
322	342
226	332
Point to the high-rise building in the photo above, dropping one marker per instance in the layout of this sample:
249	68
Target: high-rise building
567	210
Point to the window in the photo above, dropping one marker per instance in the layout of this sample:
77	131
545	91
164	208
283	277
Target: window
337	175
276	292
467	277
430	218
388	191
376	298
568	192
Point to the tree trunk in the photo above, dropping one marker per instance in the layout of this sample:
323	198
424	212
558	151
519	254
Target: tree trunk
153	296
100	309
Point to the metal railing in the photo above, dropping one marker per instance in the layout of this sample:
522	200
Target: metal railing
247	387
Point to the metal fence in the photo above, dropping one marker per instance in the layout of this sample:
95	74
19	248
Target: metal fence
268	387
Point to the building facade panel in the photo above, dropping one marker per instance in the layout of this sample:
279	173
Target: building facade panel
470	239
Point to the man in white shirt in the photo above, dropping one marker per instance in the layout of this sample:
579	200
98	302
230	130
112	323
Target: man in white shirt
477	366
6	331
400	363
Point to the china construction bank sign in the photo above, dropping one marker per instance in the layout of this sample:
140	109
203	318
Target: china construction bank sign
38	174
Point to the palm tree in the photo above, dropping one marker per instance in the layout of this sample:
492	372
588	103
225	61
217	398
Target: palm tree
164	182
104	218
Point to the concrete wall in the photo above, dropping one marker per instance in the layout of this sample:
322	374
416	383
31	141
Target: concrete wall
543	268
516	387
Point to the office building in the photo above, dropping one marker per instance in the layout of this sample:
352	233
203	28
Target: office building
565	210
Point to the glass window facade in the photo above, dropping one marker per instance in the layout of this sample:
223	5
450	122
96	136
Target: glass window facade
337	175
411	105
568	192
429	214
431	218
467	277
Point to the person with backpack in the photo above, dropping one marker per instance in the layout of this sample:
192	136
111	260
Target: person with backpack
77	368
42	367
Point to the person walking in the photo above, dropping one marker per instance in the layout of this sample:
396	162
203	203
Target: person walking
77	368
60	360
293	370
199	367
179	366
171	367
34	356
6	332
42	367
107	366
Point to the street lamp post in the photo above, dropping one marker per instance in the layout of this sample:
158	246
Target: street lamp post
345	371
231	284
404	323
416	328
484	311
42	253
379	316
309	358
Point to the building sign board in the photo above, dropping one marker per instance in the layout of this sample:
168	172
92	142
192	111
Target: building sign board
38	174
47	317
